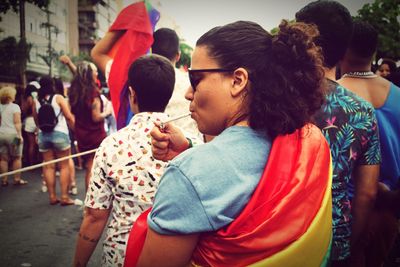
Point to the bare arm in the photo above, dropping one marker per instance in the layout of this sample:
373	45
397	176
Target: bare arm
68	62
91	229
17	123
26	104
366	187
66	111
99	52
34	113
97	115
164	250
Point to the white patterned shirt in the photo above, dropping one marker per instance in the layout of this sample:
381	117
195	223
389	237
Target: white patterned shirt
124	178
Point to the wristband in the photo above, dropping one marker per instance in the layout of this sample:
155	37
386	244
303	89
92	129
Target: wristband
190	142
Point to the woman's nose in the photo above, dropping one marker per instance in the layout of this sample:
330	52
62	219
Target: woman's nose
189	93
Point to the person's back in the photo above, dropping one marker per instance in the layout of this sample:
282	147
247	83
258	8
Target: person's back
10	135
384	96
89	130
349	124
125	175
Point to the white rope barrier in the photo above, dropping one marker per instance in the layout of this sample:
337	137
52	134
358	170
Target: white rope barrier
79	154
47	162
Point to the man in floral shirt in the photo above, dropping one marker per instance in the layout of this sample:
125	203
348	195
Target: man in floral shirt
349	124
125	175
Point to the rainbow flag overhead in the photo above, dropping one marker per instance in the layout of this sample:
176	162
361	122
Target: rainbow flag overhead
139	20
288	220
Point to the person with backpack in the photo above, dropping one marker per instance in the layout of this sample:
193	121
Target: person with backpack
52	113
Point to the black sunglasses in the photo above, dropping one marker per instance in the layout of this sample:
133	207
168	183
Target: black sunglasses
194	81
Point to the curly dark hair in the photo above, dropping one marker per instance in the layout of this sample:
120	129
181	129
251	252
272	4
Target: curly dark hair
285	72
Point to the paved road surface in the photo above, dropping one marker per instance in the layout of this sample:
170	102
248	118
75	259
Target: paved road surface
34	233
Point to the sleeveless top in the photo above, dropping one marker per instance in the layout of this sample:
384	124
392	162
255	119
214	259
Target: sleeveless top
388	117
62	122
88	133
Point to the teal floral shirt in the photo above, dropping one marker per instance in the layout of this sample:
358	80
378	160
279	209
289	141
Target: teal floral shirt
349	124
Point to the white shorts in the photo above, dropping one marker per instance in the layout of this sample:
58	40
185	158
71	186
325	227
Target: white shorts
30	125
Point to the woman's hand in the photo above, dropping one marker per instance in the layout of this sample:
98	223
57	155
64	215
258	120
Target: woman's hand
167	143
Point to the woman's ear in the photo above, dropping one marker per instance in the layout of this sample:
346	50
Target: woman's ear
240	81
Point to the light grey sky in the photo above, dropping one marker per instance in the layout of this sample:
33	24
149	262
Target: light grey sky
196	17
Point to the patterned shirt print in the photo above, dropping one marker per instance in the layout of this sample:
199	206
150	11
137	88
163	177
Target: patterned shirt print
124	179
349	124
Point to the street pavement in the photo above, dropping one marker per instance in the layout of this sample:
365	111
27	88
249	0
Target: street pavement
34	233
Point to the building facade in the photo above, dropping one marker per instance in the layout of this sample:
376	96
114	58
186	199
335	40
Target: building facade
66	27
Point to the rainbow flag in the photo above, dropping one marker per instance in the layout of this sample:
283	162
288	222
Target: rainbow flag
288	220
139	20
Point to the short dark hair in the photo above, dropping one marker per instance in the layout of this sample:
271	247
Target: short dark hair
285	72
166	43
153	79
364	40
29	90
335	26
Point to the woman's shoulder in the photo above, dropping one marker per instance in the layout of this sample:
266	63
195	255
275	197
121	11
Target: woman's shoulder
233	147
15	107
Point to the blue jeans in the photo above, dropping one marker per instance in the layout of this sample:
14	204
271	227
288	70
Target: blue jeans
54	140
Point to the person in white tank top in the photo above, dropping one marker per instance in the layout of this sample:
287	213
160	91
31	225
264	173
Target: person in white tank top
55	144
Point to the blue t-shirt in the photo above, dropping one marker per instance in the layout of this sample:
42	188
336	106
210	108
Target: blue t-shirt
206	187
388	117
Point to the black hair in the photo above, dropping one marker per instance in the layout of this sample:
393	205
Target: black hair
394	77
46	86
58	86
30	88
152	77
390	63
166	43
285	71
364	39
335	26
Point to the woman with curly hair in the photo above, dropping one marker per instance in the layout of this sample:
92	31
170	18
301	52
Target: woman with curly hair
253	192
86	105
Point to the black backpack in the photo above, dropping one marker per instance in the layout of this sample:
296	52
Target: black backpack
47	118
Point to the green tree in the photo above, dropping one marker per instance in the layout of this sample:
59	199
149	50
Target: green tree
18	6
64	72
384	16
186	52
13	53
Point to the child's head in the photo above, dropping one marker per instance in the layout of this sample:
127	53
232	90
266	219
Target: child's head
151	80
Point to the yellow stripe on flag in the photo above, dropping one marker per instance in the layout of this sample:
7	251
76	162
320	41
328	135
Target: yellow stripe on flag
311	248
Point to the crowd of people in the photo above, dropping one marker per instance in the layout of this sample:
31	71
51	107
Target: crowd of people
291	156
